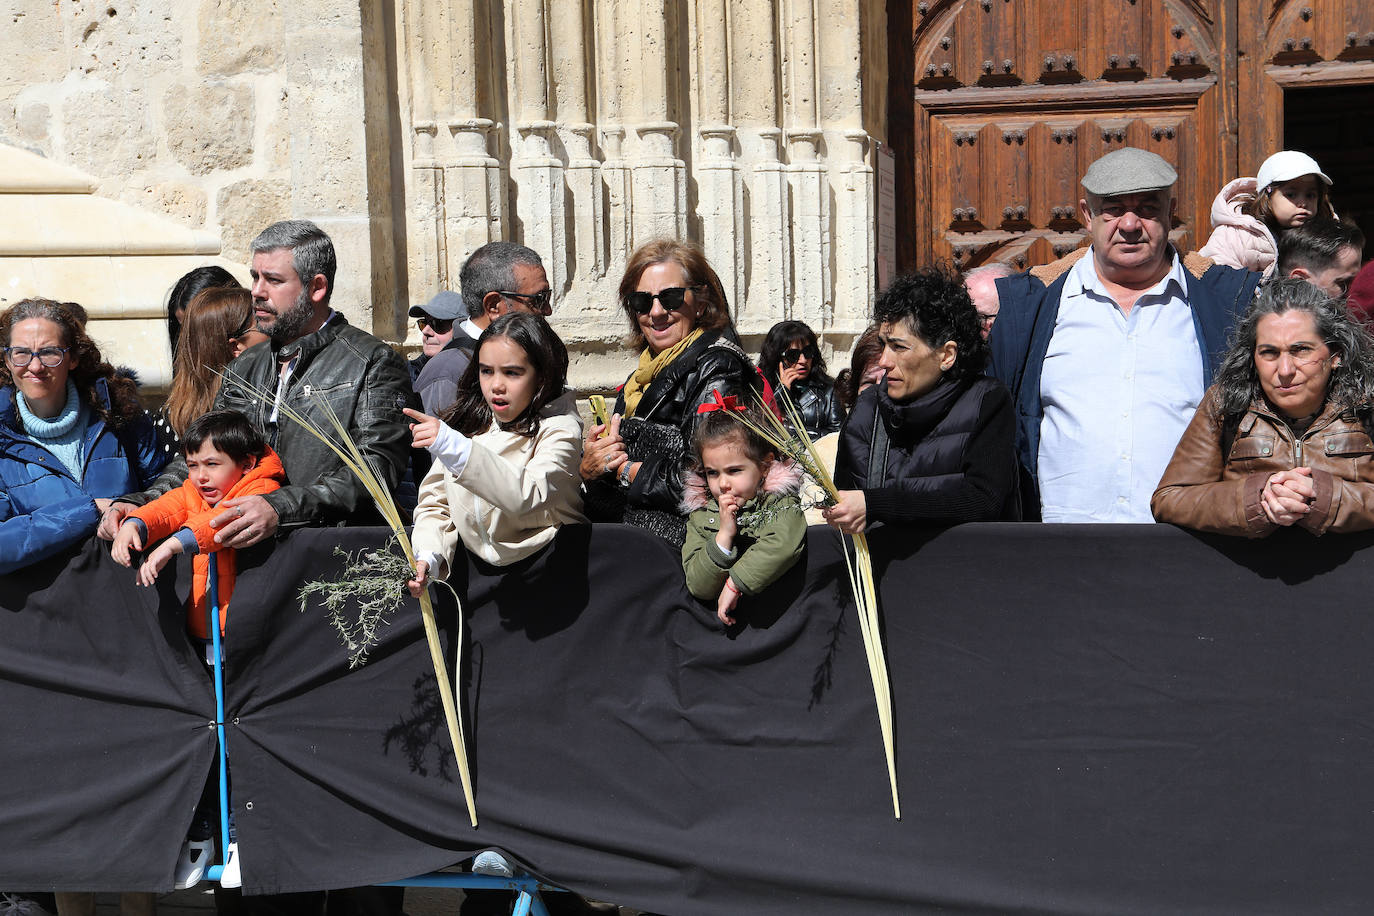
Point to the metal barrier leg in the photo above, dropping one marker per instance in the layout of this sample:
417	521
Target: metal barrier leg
216	872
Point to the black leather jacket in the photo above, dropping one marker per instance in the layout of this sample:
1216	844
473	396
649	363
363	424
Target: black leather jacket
713	363
362	380
820	409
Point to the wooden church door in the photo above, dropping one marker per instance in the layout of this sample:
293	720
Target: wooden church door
1014	98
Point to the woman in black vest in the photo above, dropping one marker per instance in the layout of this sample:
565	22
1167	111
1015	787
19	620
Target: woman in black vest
932	442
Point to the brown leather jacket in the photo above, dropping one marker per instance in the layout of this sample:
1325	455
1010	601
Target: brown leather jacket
1202	490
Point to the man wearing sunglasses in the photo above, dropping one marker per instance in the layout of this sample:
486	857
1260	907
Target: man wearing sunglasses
497	278
437	320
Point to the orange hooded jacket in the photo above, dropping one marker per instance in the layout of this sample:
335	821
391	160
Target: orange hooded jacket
184	507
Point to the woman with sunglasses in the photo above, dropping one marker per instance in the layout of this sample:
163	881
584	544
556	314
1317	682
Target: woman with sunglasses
791	360
1282	437
218	327
73	435
680	323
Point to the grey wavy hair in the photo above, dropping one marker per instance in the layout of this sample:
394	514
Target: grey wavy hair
1352	380
312	250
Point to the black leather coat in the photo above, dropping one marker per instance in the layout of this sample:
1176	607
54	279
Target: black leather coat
362	380
660	435
821	412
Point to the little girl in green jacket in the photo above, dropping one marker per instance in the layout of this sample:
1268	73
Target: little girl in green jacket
746	526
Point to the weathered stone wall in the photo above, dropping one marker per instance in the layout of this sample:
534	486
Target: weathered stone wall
178	107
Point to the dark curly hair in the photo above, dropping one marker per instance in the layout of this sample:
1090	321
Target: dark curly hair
470	413
1351	386
936	307
87	365
779	336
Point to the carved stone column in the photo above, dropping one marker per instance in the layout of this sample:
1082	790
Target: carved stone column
535	169
455	196
811	233
770	278
573	67
855	233
840	107
720	198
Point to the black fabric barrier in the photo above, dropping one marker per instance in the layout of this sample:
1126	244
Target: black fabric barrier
1123	719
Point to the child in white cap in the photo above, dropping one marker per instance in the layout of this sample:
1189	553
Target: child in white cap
1251	213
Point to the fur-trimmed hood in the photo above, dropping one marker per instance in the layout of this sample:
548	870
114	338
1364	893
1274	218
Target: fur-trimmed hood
784	478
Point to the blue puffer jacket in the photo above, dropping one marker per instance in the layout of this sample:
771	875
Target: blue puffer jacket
43	509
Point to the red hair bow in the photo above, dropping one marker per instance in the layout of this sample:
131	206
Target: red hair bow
729	402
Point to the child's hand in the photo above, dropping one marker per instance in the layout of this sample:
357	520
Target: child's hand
421	580
126	539
424	430
147	573
729	520
725	604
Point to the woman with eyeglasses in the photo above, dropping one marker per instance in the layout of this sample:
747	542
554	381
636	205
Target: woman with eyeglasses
218	327
1283	436
73	435
680	323
791	361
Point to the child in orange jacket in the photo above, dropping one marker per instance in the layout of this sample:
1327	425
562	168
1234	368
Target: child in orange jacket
225	458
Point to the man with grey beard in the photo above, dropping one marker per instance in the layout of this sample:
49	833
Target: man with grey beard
315	359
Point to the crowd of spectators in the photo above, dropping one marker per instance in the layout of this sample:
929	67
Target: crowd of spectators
1127	382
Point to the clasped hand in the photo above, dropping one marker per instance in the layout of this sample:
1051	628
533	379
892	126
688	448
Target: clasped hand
1288	496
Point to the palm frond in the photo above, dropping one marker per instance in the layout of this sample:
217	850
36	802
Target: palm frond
795	444
342	445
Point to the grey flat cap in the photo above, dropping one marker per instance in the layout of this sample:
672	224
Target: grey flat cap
1128	171
444	306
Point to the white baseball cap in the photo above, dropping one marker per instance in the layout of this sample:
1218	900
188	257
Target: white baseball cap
1287	165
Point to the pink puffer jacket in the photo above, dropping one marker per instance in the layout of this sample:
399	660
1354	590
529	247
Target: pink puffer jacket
1239	240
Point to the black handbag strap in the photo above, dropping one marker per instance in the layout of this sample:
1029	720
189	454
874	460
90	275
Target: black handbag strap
877	450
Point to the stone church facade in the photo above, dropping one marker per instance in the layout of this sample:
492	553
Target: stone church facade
414	131
807	144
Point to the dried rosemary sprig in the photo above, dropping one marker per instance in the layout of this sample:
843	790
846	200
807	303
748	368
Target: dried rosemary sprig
369	577
795	443
342	445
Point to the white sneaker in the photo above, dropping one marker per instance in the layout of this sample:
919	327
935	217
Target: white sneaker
195	857
231	876
491	863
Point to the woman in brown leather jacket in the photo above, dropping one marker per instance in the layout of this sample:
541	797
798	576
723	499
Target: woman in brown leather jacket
1282	438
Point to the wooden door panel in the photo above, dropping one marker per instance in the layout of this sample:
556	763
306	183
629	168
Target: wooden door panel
1054	190
1039	90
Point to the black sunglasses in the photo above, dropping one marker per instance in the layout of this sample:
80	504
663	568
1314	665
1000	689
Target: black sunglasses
671	299
538	301
792	354
440	325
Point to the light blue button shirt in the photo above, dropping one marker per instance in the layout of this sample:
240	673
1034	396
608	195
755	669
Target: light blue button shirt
1118	390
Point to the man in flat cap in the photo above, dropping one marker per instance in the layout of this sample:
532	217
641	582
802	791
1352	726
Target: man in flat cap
1107	352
